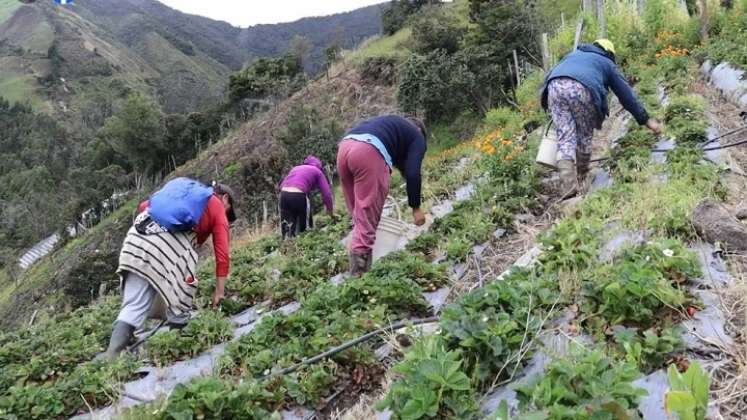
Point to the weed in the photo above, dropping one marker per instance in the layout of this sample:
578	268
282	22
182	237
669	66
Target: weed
689	395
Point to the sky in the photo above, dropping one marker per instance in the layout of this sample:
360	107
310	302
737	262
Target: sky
252	12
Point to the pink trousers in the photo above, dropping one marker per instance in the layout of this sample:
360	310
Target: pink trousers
365	183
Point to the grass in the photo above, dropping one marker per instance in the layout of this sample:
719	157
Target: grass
20	88
395	46
7	8
41	38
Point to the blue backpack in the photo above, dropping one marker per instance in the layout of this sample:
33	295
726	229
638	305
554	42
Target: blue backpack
179	205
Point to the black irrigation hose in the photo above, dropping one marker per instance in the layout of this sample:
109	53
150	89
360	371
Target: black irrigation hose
728	133
350	344
707	149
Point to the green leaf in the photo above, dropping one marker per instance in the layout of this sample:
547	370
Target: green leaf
681	402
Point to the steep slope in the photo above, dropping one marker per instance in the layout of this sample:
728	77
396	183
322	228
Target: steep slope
68	59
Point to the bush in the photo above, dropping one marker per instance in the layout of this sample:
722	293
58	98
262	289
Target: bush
309	133
398	12
266	77
437	28
442	86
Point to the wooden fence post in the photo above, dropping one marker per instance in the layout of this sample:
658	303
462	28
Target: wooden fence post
579	30
587	6
601	19
704	20
641	5
546	60
518	72
511	71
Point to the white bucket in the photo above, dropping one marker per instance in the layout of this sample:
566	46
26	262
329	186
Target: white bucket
389	236
548	150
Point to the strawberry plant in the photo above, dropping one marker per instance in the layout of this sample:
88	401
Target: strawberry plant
201	333
643	283
218	399
571	246
651	349
584	385
633	152
310	384
405	265
95	382
490	324
432	384
630	291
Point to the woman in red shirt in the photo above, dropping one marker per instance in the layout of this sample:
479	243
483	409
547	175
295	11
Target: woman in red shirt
158	261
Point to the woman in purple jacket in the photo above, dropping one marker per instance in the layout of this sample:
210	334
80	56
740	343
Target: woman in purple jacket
295	207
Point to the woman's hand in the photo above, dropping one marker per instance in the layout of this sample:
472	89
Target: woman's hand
220	291
655	126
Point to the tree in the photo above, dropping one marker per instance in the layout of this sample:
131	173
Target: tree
266	77
396	15
442	86
437	28
502	26
137	133
299	47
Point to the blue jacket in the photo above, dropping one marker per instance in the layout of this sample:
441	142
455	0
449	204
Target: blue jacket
594	68
406	146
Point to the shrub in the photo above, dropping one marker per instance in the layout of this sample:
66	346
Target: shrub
437	28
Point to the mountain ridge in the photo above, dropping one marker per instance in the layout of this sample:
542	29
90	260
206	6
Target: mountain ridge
183	60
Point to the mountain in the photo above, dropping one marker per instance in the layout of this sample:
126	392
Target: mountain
78	60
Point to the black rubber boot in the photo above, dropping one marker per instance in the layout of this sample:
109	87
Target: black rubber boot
121	337
359	263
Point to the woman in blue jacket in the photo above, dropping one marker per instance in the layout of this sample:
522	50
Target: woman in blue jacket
575	92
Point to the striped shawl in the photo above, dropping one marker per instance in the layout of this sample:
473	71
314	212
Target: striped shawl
167	260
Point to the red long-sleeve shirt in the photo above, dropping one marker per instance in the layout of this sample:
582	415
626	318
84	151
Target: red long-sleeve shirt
212	222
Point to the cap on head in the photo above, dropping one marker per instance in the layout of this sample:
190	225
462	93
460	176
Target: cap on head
606	45
223	189
313	161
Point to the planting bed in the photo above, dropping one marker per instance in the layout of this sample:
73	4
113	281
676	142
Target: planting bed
613	311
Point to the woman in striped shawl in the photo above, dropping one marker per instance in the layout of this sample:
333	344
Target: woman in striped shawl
158	258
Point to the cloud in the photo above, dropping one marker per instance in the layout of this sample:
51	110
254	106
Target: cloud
252	12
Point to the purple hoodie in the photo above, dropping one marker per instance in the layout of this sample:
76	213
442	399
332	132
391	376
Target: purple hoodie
309	177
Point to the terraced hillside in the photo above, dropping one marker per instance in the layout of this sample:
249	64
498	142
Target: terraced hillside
624	302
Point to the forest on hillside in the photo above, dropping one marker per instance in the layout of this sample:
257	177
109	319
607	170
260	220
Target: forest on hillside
90	125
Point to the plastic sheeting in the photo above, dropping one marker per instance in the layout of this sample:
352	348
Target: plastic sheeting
664	145
614	247
715	272
728	79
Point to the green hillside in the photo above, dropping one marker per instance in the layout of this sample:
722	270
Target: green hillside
553	308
